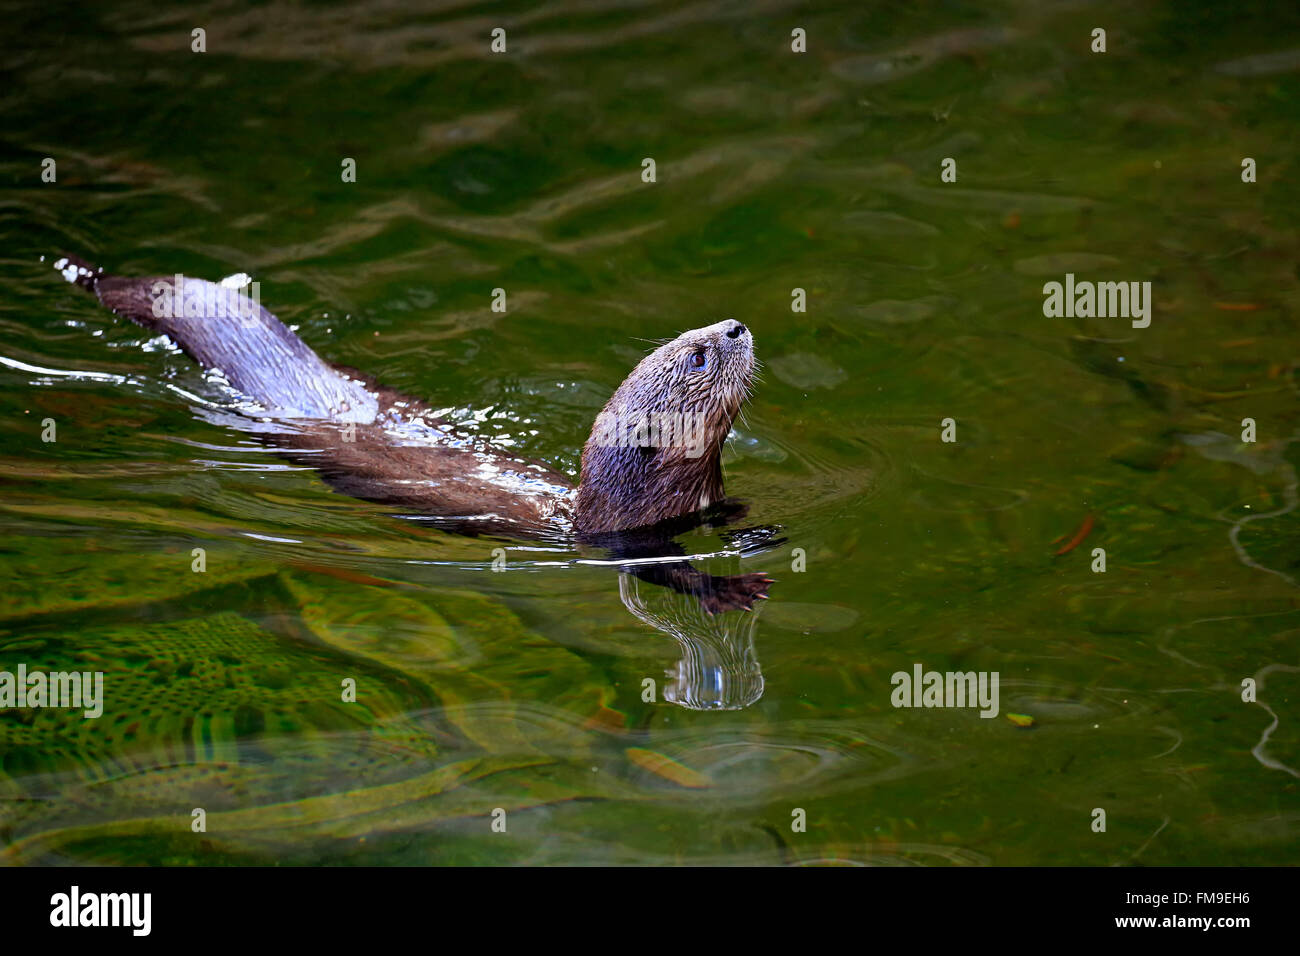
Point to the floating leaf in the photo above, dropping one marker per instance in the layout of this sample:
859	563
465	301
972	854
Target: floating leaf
668	768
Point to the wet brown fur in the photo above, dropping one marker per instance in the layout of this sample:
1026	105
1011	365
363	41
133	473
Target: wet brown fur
355	431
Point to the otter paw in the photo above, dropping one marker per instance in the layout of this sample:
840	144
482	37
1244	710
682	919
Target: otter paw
735	593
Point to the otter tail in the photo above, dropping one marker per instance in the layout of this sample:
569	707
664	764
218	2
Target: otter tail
221	328
78	271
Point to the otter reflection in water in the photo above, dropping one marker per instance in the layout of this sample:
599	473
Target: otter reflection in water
380	445
718	667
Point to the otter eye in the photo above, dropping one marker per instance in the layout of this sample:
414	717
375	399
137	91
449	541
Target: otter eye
698	359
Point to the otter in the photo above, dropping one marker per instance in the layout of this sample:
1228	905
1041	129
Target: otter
650	468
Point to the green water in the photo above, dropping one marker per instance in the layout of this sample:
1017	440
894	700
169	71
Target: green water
523	691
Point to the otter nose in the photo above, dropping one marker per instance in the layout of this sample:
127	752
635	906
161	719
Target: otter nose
735	330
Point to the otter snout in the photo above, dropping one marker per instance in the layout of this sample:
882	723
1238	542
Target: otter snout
735	346
731	339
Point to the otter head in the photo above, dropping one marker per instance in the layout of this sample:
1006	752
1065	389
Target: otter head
655	449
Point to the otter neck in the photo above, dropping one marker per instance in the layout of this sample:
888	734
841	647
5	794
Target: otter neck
624	488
